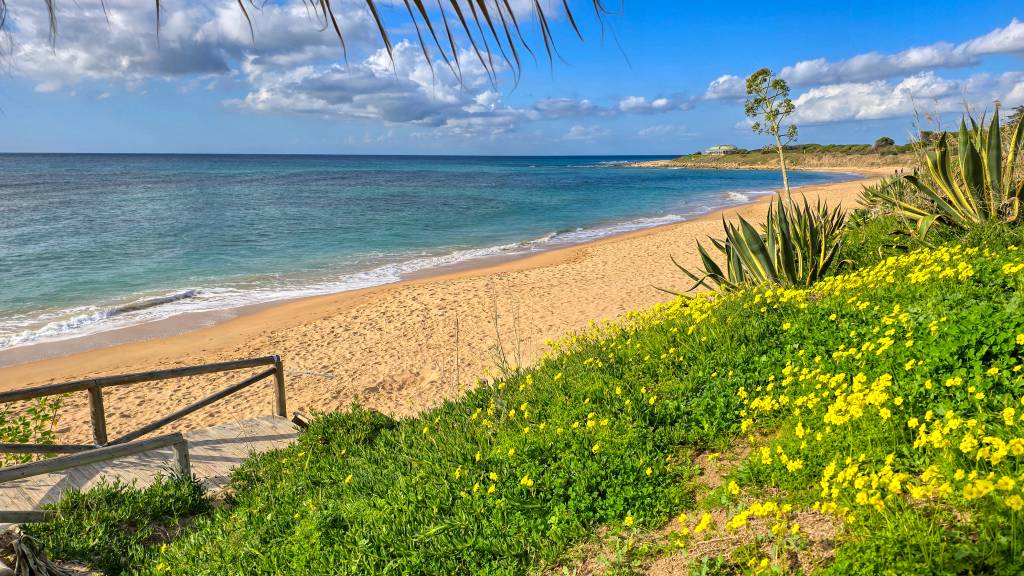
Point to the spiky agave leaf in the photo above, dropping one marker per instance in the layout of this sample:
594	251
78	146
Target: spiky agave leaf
797	248
983	189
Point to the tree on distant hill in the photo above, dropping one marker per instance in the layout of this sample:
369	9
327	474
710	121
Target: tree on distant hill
490	28
769	105
884	142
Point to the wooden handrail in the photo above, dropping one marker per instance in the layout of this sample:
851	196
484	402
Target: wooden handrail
193	407
103	382
97	414
176	441
95	455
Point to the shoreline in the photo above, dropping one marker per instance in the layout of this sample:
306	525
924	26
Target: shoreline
191	321
405	346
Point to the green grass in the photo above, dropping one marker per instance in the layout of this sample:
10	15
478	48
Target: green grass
603	431
114	527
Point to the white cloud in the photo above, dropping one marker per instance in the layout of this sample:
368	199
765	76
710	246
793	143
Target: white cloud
406	90
584	133
875	66
871	66
925	92
565	107
1009	40
641	105
726	87
196	38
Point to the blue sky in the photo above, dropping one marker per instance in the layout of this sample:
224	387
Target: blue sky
859	70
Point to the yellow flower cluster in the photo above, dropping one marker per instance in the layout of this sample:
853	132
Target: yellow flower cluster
828	407
768	509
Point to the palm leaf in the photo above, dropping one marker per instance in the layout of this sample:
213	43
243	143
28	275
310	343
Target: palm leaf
488	23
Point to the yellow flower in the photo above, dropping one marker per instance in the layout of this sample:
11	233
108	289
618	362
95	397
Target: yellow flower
526	481
786	325
595	448
1020	339
511	452
491	489
348	479
649	471
734	488
993	371
1015	502
913	423
478	456
705	522
628	521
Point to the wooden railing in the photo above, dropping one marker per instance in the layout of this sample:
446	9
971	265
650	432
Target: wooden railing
97	415
176	441
129	444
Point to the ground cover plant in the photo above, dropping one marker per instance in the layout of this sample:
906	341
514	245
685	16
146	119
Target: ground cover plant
885	401
115	527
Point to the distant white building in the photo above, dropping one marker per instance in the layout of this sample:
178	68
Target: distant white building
721	150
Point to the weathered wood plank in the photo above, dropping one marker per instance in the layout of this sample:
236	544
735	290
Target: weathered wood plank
89	457
97	416
280	400
103	382
152	426
213	452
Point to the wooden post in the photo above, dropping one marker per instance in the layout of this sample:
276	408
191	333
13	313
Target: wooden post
181	458
97	415
280	400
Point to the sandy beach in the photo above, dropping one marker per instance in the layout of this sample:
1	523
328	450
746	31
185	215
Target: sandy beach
402	347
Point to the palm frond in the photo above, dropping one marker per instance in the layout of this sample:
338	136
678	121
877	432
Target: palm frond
490	27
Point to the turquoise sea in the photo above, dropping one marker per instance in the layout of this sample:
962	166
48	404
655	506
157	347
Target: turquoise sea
95	242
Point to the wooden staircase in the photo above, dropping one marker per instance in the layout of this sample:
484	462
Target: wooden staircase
209	453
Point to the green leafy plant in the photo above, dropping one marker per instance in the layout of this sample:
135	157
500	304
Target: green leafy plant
978	186
33	424
118	527
797	247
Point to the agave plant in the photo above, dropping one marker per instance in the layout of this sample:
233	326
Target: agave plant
796	248
976	187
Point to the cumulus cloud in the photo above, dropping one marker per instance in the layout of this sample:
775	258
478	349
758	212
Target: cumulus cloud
876	66
872	66
925	92
641	105
284	64
726	87
196	38
405	90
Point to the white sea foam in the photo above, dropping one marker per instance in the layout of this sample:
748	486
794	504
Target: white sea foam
53	325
